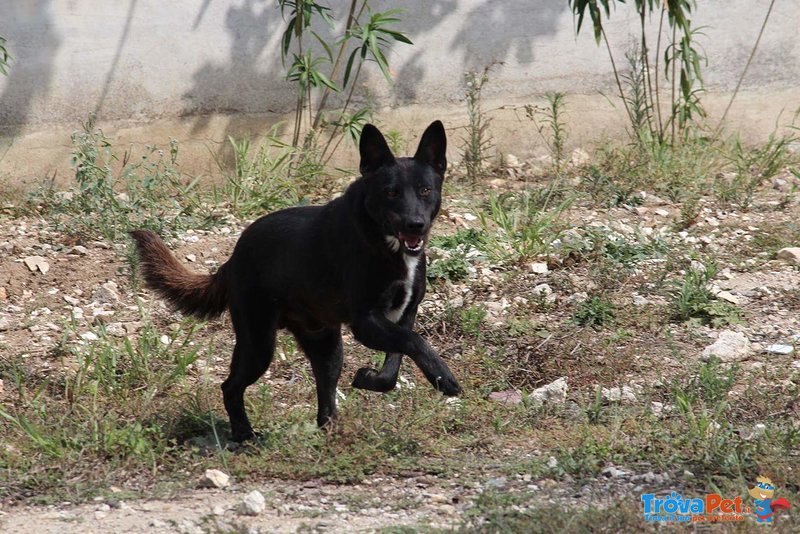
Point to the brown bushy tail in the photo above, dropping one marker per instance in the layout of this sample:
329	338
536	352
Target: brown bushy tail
202	295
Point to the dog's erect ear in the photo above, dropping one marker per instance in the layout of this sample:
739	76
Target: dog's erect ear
432	147
374	150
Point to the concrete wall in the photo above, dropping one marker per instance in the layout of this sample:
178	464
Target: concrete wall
200	70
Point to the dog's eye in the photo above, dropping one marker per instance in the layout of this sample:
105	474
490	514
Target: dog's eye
425	191
391	193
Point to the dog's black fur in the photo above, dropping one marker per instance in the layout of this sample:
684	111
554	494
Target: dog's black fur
357	260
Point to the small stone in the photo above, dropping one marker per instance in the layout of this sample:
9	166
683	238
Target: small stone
640	301
164	339
577	298
71	300
5	322
554	392
89	336
506	397
3	294
657	408
34	263
790	255
543	290
730	346
661	212
218	510
552	463
78	250
613	472
191	258
779	349
469	217
253	503
214	478
107	293
617	394
539	268
728	297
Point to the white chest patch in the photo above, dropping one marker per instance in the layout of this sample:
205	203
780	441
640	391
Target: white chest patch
411	271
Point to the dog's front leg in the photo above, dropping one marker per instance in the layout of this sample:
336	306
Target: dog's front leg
386	379
377	332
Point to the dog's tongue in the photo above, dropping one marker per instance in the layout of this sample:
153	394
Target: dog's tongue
411	241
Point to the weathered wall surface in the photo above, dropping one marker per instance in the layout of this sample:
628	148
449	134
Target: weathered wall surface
199	70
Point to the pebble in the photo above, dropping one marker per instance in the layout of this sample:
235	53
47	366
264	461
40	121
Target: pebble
506	397
790	255
730	346
613	472
553	393
779	349
253	503
617	394
34	263
539	268
214	478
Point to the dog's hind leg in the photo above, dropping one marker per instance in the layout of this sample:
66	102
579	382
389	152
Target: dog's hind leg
324	351
255	347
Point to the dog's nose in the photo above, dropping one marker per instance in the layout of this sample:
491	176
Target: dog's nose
415	226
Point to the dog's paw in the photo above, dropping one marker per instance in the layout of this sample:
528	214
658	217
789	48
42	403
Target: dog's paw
371	380
448	385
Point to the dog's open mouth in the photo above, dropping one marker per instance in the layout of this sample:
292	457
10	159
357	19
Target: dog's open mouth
412	243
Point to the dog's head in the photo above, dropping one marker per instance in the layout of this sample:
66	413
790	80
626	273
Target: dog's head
403	195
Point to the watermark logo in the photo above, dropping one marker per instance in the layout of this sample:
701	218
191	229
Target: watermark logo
713	507
675	508
765	506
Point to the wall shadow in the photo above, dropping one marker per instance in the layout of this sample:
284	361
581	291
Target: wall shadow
28	27
491	31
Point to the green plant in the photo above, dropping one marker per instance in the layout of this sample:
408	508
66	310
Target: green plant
471	320
692	299
367	41
145	192
454	268
594	312
526	226
550	118
751	167
259	182
478	141
682	65
5	57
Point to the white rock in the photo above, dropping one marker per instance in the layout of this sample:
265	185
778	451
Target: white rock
779	349
253	503
34	263
191	257
728	297
639	301
790	255
553	393
89	336
78	250
539	268
730	346
214	478
469	217
71	300
617	394
543	290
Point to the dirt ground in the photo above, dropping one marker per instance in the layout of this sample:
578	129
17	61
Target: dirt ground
55	291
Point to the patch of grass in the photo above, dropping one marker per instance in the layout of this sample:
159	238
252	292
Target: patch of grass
472	319
114	194
525	227
595	312
259	182
692	299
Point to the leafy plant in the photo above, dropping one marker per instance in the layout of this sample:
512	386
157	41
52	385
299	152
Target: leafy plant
367	41
550	120
478	141
148	192
594	312
526	227
692	299
682	65
5	57
259	182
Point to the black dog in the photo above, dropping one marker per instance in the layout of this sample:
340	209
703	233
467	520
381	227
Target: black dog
358	260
